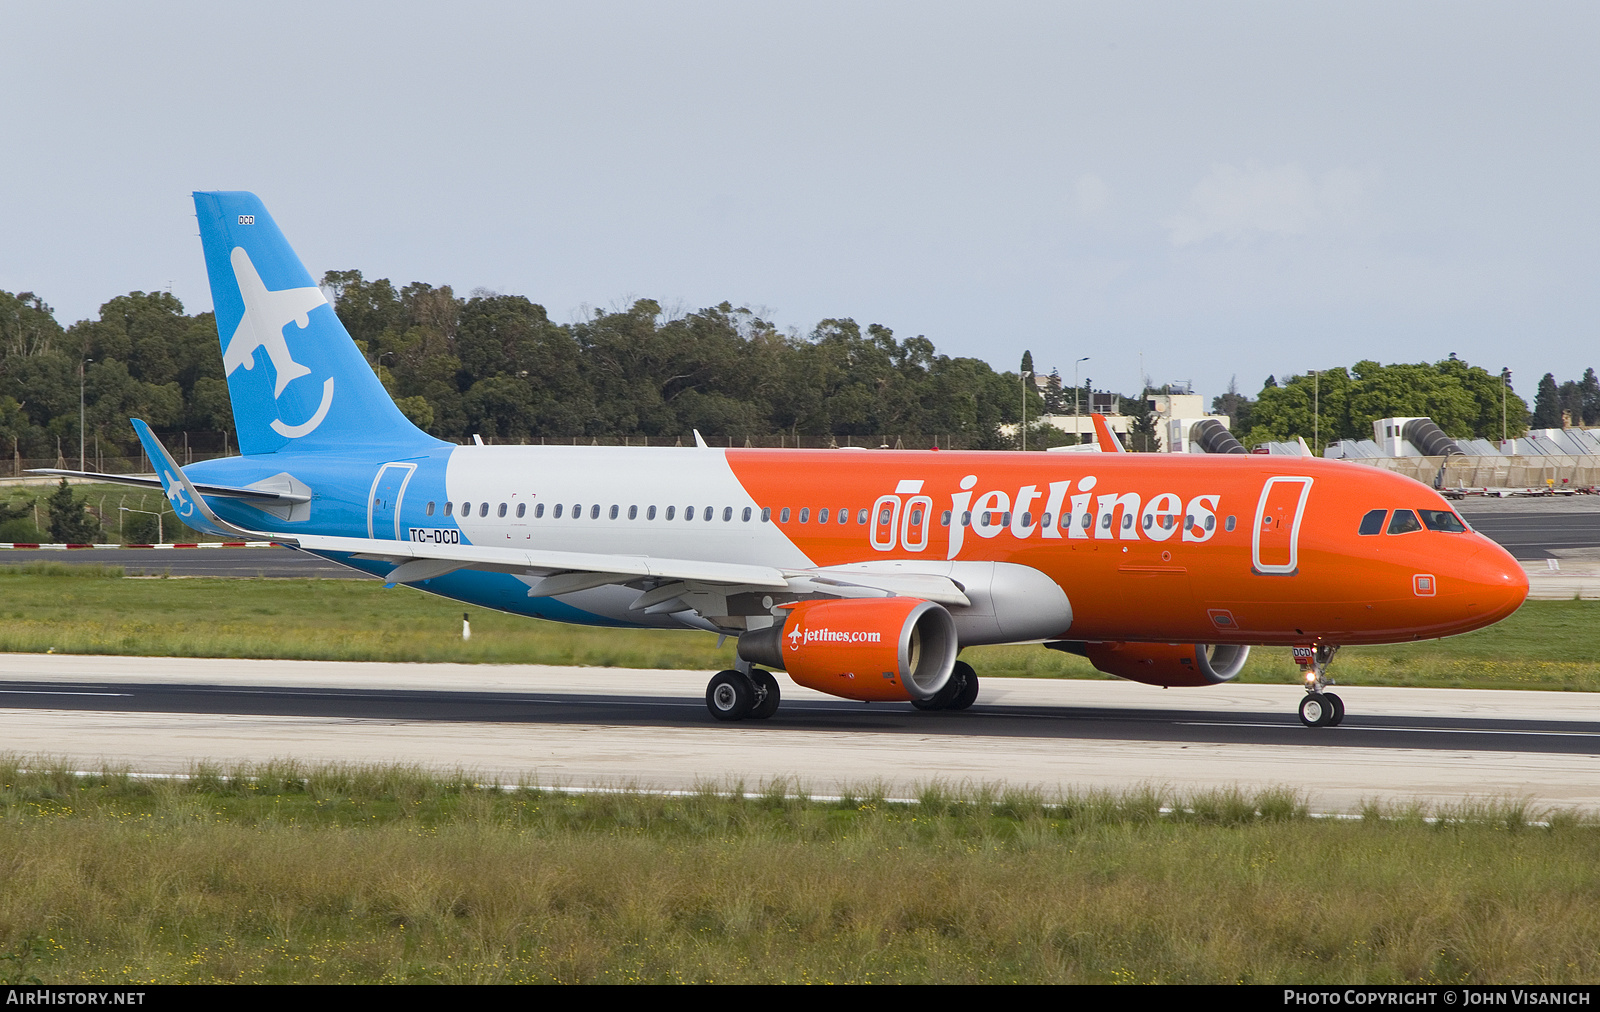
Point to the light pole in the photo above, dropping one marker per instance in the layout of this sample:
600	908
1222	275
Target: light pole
1076	427
82	458
1316	410
160	535
1023	430
1505	381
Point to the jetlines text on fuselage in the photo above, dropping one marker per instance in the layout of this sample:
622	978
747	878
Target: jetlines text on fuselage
1052	510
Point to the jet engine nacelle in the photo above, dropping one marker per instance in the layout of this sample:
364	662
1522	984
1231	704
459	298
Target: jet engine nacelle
1168	663
877	648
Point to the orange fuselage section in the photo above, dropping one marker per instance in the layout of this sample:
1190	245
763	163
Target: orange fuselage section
1169	548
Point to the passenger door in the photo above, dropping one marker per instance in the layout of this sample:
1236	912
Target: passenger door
1275	542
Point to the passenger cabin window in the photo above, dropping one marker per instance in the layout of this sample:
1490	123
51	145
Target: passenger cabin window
538	510
672	511
805	514
483	509
1372	523
614	510
1404	522
766	514
650	514
688	512
501	511
1443	520
822	515
783	515
944	521
594	512
844	515
557	513
727	513
522	510
430	509
746	514
633	512
1229	525
449	508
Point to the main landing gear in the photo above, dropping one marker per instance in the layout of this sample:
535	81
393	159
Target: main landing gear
734	695
1319	708
960	692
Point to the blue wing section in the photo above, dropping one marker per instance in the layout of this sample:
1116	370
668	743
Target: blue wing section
296	379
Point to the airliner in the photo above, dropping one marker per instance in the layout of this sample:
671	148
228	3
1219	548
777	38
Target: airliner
860	574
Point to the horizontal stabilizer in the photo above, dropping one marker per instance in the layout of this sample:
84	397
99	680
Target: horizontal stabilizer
139	481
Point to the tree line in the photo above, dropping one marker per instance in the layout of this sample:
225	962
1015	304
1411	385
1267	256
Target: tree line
1466	401
497	366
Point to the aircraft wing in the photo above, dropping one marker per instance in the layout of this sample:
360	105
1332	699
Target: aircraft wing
564	572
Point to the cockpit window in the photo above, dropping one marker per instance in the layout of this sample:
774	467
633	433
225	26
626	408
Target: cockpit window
1404	522
1372	523
1443	520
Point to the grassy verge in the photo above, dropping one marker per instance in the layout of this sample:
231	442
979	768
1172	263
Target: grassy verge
88	609
382	874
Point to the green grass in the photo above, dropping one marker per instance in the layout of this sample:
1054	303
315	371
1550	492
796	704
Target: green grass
381	874
90	610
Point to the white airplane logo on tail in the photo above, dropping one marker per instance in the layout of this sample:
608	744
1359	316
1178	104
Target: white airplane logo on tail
265	315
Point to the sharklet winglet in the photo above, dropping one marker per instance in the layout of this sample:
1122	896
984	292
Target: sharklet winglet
178	488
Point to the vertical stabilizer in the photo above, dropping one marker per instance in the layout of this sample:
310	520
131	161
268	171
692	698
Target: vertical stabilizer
296	379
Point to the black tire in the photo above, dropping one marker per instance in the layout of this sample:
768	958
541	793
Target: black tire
767	695
969	686
945	698
1338	709
730	696
1315	710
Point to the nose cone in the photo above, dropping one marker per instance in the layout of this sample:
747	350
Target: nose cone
1492	584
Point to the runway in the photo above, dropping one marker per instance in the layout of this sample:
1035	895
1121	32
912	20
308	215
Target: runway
1537	529
611	727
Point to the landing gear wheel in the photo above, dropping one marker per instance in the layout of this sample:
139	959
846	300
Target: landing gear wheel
767	695
1315	710
730	695
1338	709
969	686
962	681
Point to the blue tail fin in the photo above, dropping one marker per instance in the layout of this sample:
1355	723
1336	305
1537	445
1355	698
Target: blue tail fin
296	379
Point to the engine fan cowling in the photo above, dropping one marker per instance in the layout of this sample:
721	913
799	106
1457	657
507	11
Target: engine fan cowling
880	648
1168	664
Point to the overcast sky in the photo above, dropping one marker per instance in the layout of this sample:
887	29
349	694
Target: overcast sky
1222	189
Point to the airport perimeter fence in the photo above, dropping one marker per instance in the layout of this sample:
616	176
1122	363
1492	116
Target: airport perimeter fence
1561	473
18	466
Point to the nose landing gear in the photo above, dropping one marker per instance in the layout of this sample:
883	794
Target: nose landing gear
1319	708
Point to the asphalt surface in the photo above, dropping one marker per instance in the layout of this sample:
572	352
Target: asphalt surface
1534	534
606	727
1360	730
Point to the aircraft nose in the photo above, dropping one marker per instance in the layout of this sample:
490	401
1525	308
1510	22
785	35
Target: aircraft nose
1495	583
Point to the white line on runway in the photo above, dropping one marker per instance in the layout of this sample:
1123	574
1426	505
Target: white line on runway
57	692
1430	730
